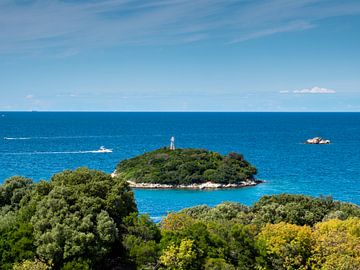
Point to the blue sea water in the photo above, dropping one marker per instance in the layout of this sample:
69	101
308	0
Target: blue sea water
39	144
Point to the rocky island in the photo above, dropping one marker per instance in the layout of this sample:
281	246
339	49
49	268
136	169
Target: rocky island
317	140
187	168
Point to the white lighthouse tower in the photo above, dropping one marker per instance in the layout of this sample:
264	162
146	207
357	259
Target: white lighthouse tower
172	143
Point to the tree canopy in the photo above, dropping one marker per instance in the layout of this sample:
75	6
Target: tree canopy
75	219
86	219
186	166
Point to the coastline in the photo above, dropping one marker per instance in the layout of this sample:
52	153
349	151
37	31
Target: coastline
206	185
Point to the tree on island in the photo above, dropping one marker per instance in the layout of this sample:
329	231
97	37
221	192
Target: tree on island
185	167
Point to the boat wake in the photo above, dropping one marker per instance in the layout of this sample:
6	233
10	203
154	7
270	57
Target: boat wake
73	137
56	152
18	138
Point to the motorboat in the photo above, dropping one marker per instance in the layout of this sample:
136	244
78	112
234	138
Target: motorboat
102	149
317	140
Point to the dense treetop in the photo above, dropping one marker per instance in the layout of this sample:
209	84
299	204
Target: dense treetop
278	232
74	219
86	219
186	166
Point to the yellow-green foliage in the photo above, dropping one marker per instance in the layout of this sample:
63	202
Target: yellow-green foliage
336	245
330	245
31	265
286	246
179	257
176	221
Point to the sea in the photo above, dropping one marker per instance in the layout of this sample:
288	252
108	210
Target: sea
40	144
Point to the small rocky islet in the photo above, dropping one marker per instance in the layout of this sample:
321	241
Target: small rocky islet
187	168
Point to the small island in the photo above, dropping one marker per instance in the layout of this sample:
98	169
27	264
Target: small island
317	140
187	168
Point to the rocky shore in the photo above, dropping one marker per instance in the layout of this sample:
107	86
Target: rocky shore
207	185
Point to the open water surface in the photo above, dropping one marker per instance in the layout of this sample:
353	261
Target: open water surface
39	144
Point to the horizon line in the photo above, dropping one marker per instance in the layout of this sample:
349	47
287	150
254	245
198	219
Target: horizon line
154	111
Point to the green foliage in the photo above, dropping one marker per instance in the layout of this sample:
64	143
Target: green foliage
223	211
77	264
16	233
86	219
141	241
243	250
217	264
16	244
75	220
185	166
300	209
273	234
13	190
81	217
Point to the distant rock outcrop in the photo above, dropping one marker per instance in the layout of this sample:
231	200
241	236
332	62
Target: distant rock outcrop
317	140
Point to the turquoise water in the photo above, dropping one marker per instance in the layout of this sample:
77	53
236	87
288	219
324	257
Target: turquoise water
38	145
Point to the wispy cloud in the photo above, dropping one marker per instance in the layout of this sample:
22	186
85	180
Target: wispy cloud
291	27
64	28
315	90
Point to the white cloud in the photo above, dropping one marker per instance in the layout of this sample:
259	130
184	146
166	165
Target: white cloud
315	90
29	96
284	91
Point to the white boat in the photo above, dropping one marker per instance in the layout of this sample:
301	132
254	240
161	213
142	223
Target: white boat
104	150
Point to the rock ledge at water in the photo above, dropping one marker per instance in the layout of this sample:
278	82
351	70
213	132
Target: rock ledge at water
206	185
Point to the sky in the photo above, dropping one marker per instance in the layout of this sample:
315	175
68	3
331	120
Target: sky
180	55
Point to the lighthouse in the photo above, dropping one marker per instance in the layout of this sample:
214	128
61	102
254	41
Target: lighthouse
172	143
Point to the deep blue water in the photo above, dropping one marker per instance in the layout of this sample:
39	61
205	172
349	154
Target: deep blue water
38	145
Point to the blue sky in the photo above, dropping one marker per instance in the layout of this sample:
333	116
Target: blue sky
180	55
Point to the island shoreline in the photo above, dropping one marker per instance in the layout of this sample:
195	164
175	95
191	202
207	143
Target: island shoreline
201	186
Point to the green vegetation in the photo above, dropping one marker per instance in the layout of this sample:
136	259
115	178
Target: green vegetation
85	219
186	166
278	232
75	221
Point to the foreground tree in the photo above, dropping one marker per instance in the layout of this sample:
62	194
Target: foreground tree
141	241
286	246
81	218
13	190
87	220
181	257
16	234
336	245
